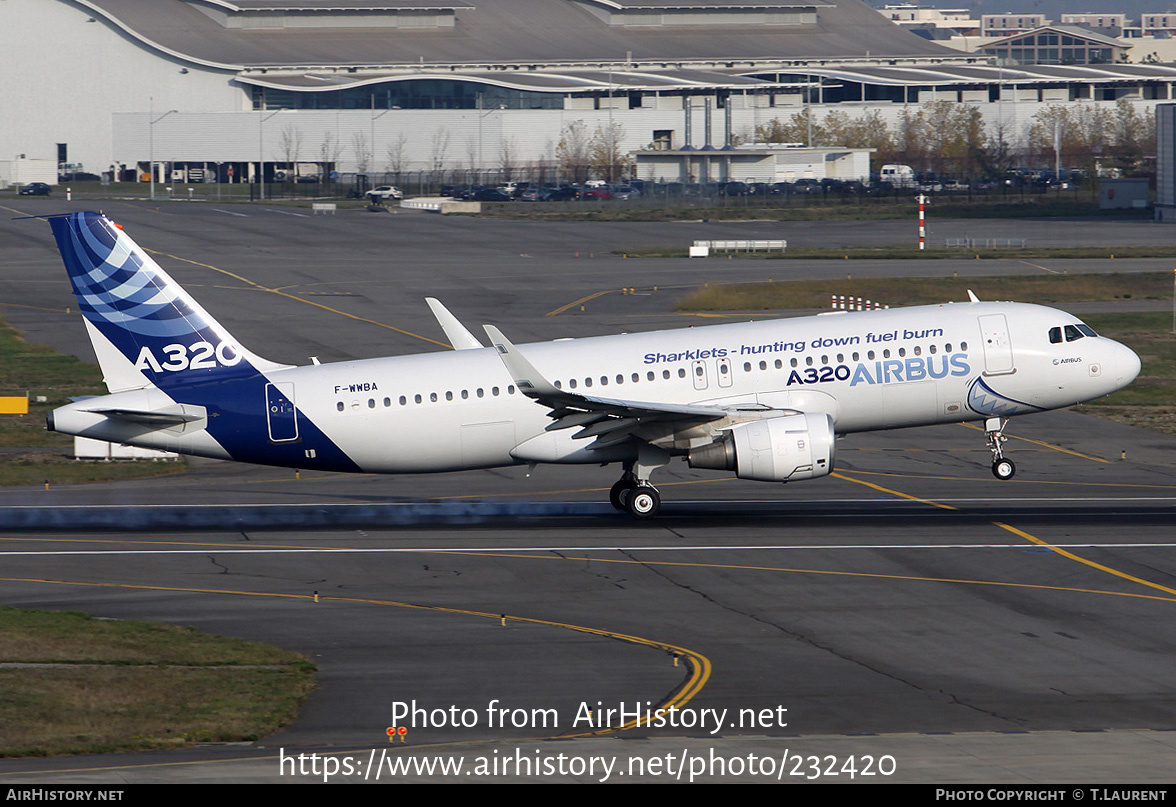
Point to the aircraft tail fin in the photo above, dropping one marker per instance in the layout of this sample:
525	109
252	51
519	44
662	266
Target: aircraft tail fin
146	330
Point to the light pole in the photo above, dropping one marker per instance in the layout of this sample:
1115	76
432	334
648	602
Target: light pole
261	151
481	115
151	121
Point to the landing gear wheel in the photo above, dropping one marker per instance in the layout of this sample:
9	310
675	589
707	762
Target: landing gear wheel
643	502
618	495
1003	469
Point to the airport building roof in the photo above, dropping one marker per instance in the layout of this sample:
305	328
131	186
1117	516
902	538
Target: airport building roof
408	34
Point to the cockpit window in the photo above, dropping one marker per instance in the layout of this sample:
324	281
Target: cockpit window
1055	335
1072	333
1086	329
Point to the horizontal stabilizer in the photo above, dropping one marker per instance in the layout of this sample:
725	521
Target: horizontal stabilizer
167	416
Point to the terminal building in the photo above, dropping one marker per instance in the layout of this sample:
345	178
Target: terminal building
241	88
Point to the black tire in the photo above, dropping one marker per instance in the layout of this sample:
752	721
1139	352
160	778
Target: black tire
619	493
643	502
1004	469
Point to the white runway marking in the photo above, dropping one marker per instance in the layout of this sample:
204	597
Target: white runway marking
483	550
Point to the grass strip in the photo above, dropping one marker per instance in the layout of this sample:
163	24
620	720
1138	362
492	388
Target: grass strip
807	294
913	253
74	684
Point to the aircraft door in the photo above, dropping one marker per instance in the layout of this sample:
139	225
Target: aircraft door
723	371
280	414
998	347
698	370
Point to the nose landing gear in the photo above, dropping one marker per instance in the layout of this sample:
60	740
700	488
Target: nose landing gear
1002	468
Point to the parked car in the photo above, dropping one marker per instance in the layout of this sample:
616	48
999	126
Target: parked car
599	192
35	189
384	193
566	193
488	195
624	192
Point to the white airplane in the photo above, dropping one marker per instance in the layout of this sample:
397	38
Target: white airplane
765	400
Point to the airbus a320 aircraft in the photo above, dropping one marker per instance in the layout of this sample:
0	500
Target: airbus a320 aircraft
765	400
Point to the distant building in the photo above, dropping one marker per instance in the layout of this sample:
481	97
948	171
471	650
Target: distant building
1008	24
1158	24
1057	44
1093	20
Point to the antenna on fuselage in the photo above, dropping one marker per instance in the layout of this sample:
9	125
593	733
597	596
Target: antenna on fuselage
972	298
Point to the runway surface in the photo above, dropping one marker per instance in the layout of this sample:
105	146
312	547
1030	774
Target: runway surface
910	607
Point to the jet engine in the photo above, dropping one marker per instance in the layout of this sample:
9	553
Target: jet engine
779	449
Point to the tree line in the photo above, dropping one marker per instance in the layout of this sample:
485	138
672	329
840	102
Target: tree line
951	138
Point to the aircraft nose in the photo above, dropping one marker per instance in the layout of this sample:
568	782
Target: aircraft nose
1126	364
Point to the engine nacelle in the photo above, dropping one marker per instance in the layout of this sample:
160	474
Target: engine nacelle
780	449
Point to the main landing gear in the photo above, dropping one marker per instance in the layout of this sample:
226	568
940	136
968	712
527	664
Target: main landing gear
633	493
994	433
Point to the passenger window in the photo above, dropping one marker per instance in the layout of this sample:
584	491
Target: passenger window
870	355
808	360
510	389
449	395
403	400
918	350
559	385
681	372
387	402
433	397
649	375
620	379
417	398
886	353
572	383
465	393
932	349
666	375
824	359
779	364
371	403
793	362
636	378
587	382
747	367
494	391
340	406
698	371
604	381
902	352
963	345
763	365
481	392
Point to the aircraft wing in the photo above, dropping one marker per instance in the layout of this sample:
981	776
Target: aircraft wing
610	420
